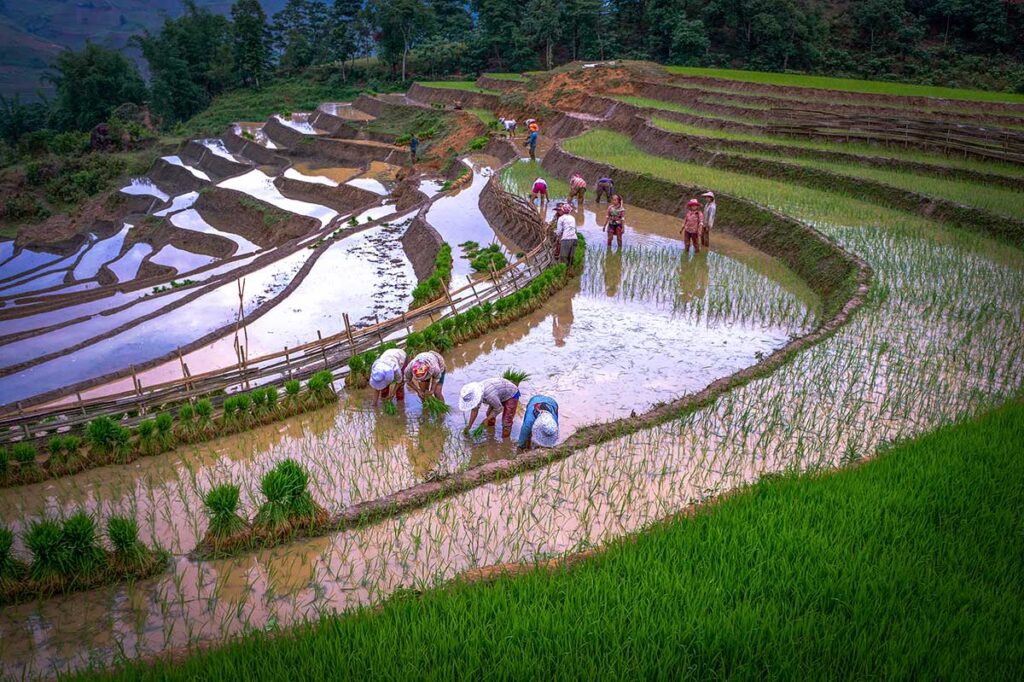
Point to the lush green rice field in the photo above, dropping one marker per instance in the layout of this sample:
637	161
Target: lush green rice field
909	566
458	85
847	84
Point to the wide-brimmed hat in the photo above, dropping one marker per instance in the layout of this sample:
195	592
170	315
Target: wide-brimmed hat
544	433
709	195
381	378
471	395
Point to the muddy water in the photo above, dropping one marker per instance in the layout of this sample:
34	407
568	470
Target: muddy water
345	110
311	172
606	345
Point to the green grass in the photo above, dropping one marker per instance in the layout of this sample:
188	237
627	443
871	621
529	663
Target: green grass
647	103
458	85
518	178
908	567
484	115
847	84
506	76
999	200
993	167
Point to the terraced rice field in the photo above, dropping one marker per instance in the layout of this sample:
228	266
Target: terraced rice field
936	338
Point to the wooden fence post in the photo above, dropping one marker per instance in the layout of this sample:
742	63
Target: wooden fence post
376	318
323	353
348	332
455	311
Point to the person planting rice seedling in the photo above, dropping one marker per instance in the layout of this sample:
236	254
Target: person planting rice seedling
710	208
501	397
387	375
565	230
693	225
615	221
577	188
425	375
540	423
539	193
606	188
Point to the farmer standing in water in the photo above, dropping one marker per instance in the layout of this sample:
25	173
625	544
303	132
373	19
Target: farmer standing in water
531	142
693	225
414	144
710	208
615	222
566	231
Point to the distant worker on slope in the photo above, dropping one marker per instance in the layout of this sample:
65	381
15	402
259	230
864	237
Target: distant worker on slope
414	145
539	192
510	127
501	397
540	423
425	374
577	188
387	373
615	221
710	208
693	225
531	141
606	187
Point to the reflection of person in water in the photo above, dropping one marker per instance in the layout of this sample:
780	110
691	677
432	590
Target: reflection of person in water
693	276
612	272
561	324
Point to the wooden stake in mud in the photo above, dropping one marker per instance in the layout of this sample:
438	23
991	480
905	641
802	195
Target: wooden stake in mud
81	407
323	353
348	333
455	311
473	288
379	335
135	381
287	363
494	277
405	323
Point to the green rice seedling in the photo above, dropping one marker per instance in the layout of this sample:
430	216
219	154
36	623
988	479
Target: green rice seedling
165	430
243	403
82	553
432	407
204	415
56	448
187	427
300	503
516	376
221	503
478	432
390	408
230	407
102	434
10	569
123	532
259	403
292	389
271	398
148	442
25	455
44	540
321	387
276	488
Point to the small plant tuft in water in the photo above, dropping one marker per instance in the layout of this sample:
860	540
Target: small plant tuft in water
81	551
221	504
43	540
123	532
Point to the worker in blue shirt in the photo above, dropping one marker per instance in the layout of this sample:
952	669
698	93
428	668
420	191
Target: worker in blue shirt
532	142
540	425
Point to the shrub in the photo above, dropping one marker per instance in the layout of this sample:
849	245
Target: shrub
478	143
123	532
82	553
44	541
221	504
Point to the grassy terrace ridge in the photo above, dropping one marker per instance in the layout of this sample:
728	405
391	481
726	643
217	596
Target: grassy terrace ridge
458	85
847	84
647	103
506	76
992	167
908	566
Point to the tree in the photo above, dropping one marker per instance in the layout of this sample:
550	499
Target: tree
189	62
90	84
251	42
16	118
401	25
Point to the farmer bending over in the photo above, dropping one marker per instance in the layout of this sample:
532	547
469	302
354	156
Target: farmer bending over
425	374
540	423
539	192
577	188
605	187
693	225
500	395
710	208
387	374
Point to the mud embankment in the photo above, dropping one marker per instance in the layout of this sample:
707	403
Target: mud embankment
257	221
501	84
159	232
174	179
348	152
673	145
421	243
217	167
465	98
103	215
344	199
252	150
512	217
285	136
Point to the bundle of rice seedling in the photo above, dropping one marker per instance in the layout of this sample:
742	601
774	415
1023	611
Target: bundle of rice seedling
390	408
433	407
81	551
221	504
123	532
516	376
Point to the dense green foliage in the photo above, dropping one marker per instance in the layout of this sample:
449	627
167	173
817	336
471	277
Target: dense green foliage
432	287
906	567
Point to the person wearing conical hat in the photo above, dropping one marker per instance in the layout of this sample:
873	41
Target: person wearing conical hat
501	397
710	208
387	374
425	374
540	423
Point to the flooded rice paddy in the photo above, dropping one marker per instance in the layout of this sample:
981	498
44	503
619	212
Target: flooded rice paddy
590	345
